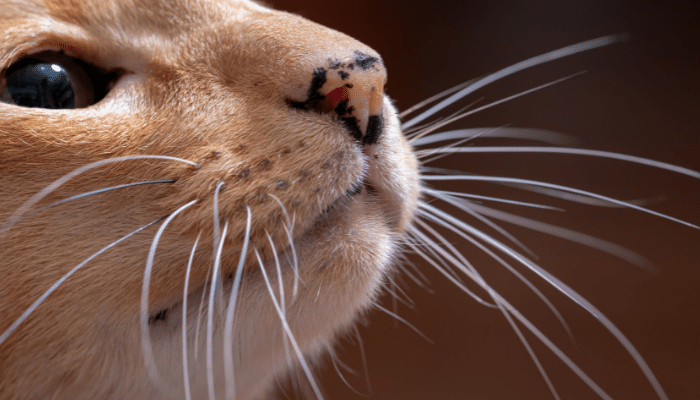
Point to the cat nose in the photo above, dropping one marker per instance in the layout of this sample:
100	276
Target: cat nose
352	88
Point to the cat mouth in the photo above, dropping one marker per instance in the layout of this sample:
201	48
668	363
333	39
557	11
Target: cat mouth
355	191
323	222
359	187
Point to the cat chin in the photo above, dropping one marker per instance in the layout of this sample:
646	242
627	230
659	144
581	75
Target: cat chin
343	258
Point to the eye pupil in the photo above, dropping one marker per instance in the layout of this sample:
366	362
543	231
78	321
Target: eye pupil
42	85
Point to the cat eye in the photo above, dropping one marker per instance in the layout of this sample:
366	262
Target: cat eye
54	80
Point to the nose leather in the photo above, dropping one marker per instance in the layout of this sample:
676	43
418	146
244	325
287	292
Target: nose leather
352	88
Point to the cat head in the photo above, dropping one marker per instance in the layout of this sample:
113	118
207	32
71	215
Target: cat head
260	136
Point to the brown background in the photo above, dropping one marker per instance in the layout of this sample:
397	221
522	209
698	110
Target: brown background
640	97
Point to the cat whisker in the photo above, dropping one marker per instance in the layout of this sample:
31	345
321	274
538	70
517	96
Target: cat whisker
217	222
567	234
336	363
185	368
58	283
584	152
499	179
146	347
403	321
477	279
288	332
340	364
436	193
470	233
540	135
574	198
417	129
320	204
433	98
443	151
421	280
279	276
200	312
288	226
217	232
282	300
547	191
298	385
465	206
434	250
17	215
417	133
284	209
230	312
529	63
466	268
568	292
529	349
392	298
577	237
463	233
294	262
492	104
91	193
363	357
500	303
215	283
398	294
561	355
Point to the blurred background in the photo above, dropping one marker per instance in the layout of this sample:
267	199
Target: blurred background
640	97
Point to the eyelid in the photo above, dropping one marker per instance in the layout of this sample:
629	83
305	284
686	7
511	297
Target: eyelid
73	44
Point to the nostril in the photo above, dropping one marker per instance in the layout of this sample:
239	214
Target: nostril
339	96
352	89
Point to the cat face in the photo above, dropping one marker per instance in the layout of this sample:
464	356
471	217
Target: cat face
249	136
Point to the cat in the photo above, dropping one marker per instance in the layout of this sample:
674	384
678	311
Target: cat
280	141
